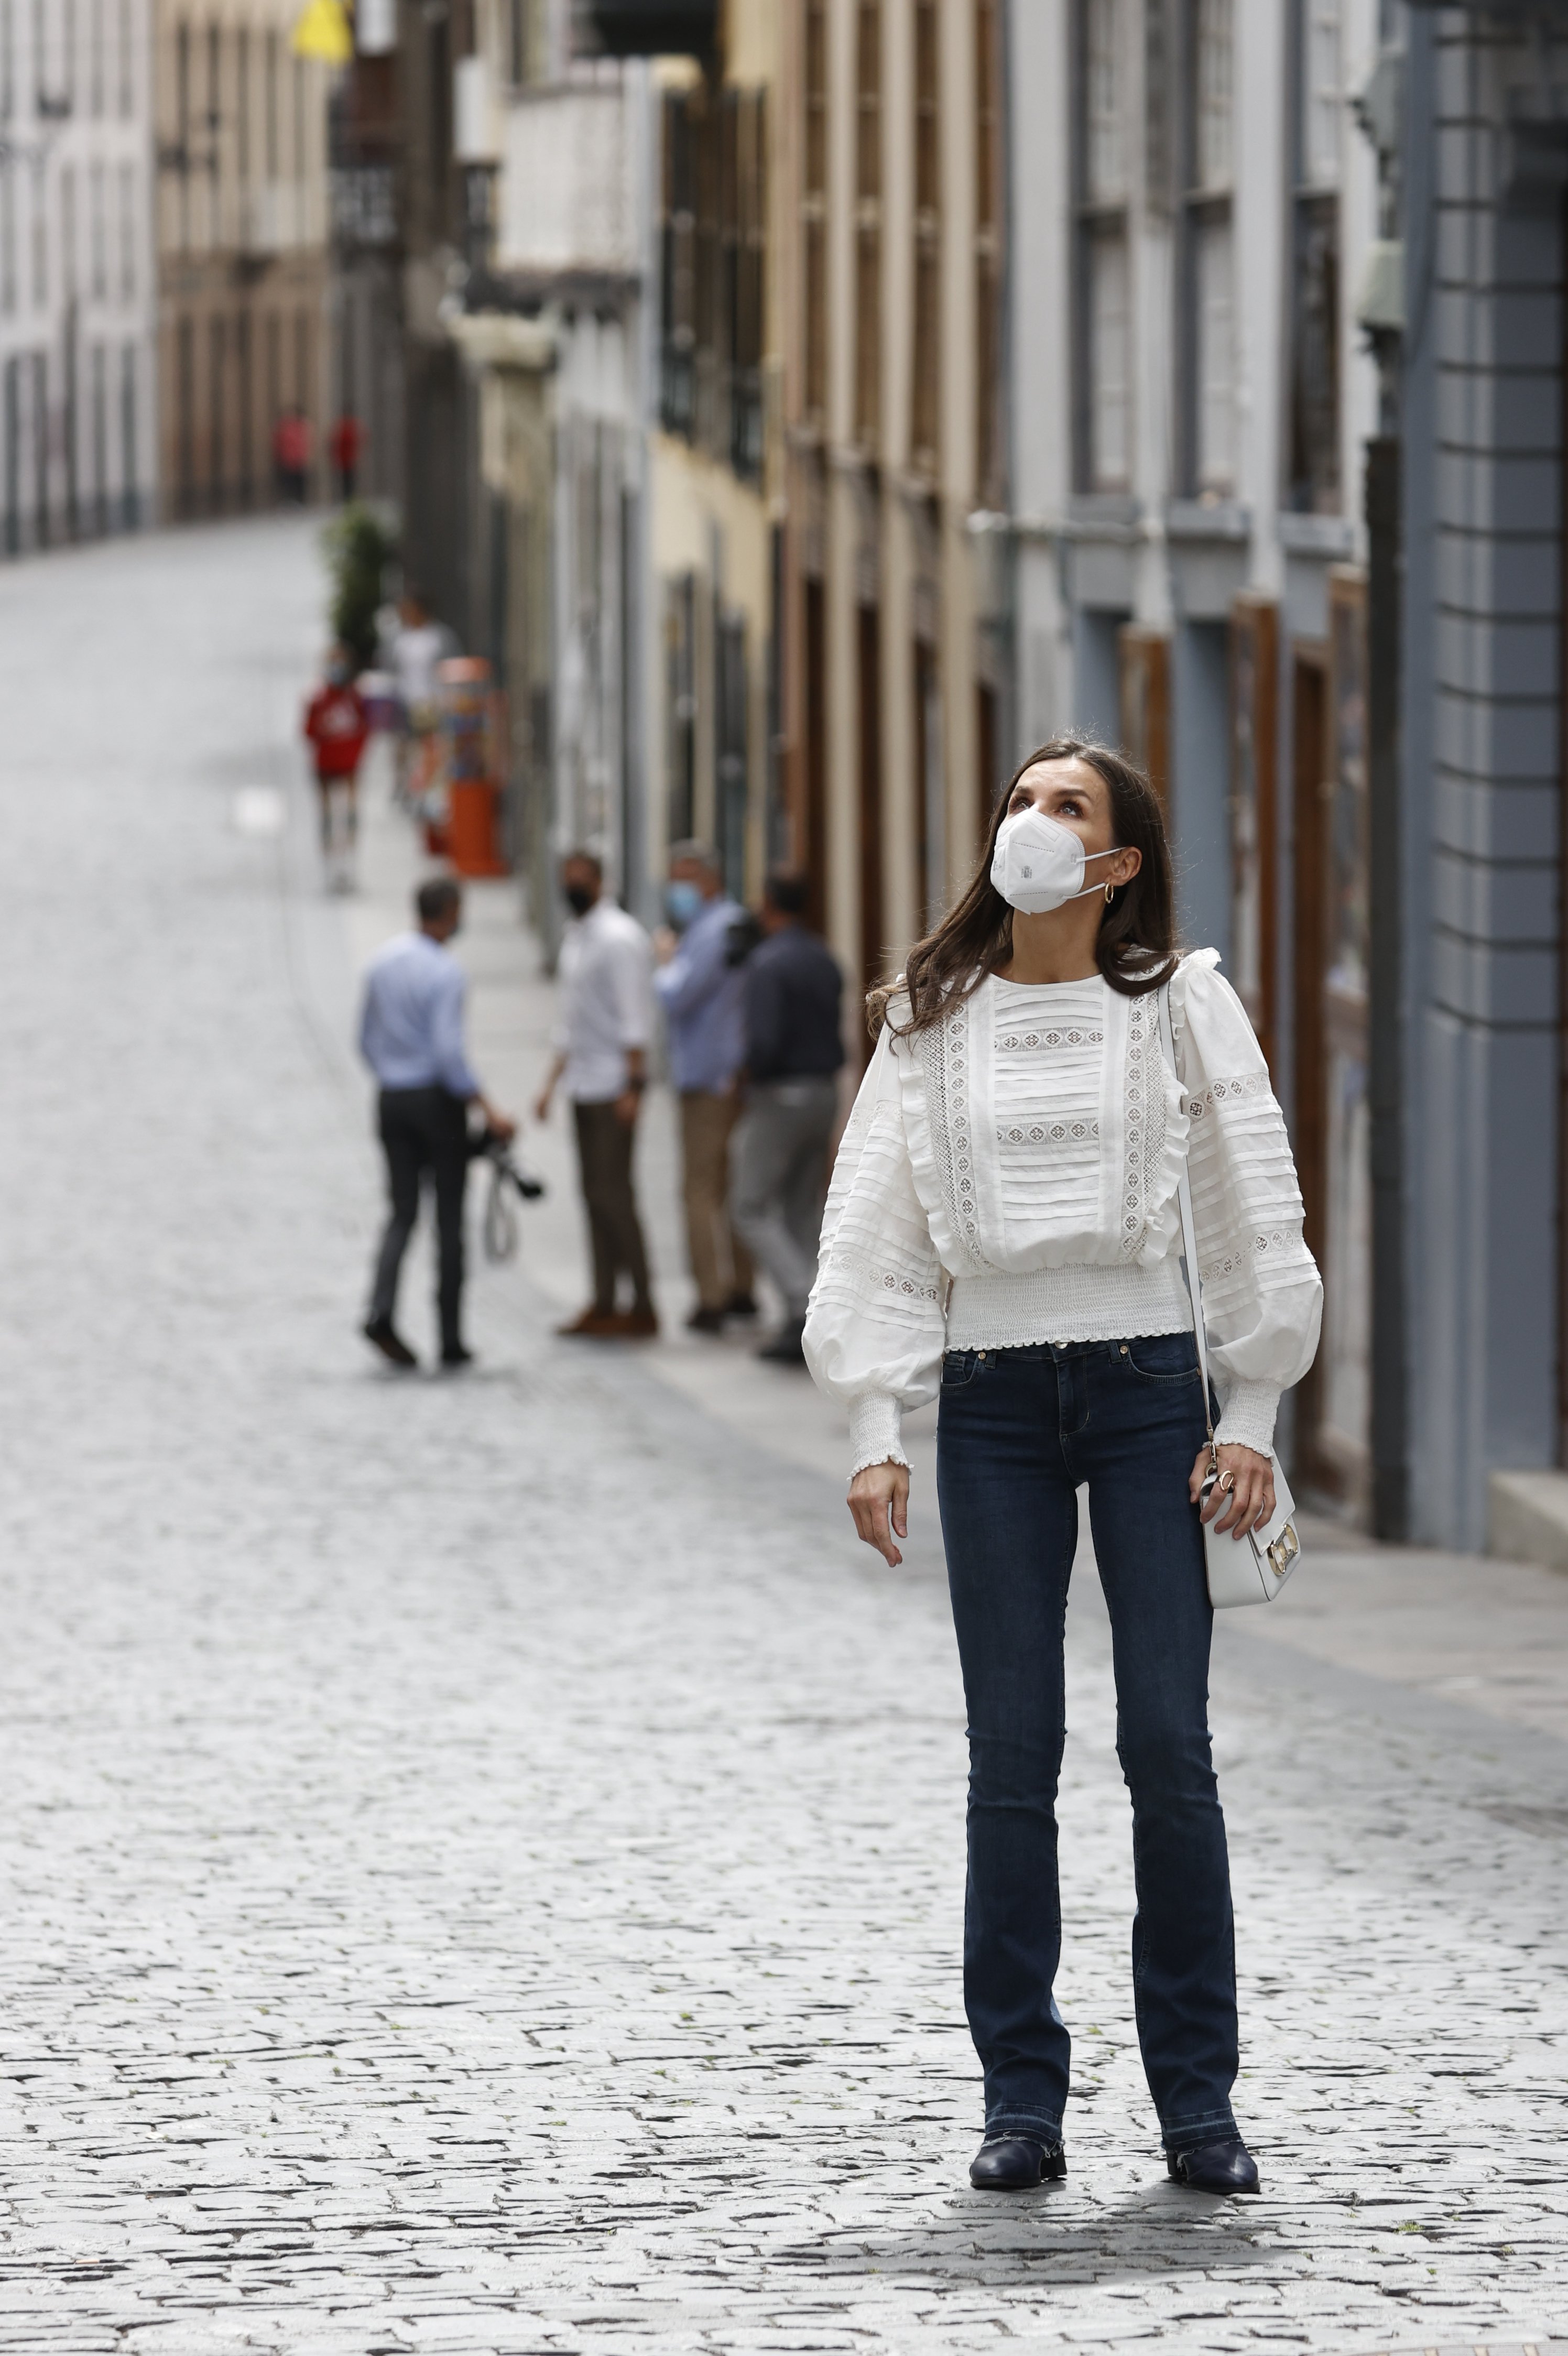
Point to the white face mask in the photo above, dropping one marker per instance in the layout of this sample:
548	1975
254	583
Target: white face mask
1038	863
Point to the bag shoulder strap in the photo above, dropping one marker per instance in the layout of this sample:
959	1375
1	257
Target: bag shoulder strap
1188	1227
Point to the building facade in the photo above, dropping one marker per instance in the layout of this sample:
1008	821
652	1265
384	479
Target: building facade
242	227
811	409
1195	213
527	201
715	476
365	324
78	449
896	694
1474	125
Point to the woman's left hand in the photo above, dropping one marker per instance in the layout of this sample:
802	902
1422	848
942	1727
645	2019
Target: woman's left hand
1245	1502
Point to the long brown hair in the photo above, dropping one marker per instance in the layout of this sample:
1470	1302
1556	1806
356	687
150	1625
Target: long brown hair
1135	946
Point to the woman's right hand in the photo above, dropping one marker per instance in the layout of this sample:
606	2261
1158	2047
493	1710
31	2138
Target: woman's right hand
879	1503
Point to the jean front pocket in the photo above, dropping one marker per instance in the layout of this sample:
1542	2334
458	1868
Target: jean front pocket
1161	1357
960	1368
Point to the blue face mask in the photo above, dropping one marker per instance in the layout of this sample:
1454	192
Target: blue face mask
682	901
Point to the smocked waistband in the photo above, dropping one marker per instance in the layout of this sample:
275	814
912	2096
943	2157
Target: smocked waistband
1067	1304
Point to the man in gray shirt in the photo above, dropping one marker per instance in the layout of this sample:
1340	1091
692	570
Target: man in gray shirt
411	1034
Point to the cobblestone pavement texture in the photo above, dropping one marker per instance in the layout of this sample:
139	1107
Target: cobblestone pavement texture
481	1861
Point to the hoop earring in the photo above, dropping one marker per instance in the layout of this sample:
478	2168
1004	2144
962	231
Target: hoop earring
1109	889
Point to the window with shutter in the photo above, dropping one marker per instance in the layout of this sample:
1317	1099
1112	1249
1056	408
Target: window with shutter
988	213
1102	435
1313	422
925	424
813	214
1209	253
868	224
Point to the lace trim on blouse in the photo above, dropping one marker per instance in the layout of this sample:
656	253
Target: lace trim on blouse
1079	1036
1278	1241
1038	1132
1145	1121
943	1050
1218	1092
880	1277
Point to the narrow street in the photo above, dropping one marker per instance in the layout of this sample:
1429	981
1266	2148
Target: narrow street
482	1858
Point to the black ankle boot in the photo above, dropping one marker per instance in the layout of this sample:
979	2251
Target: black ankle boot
1224	2167
1013	2163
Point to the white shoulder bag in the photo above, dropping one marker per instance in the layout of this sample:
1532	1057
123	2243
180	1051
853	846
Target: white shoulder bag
1239	1570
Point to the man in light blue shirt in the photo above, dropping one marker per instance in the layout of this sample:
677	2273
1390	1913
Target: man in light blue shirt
699	992
411	1034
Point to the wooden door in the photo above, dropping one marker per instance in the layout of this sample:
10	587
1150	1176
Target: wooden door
1309	769
873	947
1144	681
814	733
1345	1430
930	788
1332	1107
987	753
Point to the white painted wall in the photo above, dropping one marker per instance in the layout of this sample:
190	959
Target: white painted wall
78	279
570	189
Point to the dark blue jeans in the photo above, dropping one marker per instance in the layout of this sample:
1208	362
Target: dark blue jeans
1019	1429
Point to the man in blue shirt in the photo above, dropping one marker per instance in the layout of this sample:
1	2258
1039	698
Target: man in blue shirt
411	1034
699	992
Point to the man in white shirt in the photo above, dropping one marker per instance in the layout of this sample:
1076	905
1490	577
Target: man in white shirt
604	1020
419	645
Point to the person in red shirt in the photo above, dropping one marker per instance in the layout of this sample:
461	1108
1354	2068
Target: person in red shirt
346	441
291	455
337	726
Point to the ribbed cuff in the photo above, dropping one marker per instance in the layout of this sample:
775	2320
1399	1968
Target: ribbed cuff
876	1420
1246	1419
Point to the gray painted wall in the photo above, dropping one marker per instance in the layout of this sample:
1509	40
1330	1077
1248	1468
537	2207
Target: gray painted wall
1096	691
1482	750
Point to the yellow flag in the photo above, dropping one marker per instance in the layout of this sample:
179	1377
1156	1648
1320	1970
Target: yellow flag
323	31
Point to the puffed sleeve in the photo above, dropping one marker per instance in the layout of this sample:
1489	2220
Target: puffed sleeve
1263	1298
876	1325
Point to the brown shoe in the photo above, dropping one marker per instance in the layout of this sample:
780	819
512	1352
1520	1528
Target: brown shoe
638	1326
597	1324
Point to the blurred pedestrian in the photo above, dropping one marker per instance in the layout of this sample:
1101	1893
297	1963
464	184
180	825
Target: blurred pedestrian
793	1002
419	645
604	1020
699	987
411	1034
336	725
291	455
346	441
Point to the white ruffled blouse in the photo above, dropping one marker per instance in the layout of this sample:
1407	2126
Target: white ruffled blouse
1009	1176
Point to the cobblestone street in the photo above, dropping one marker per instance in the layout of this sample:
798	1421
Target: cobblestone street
482	1859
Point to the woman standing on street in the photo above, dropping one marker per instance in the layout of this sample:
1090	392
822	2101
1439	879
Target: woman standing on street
1004	1227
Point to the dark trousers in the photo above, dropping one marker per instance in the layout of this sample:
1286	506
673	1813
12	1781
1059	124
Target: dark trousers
424	1129
1019	1429
604	1150
778	1161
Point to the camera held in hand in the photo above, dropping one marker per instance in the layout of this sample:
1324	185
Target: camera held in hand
486	1145
506	1178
